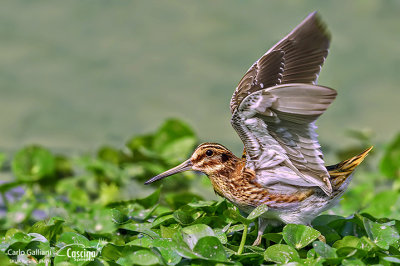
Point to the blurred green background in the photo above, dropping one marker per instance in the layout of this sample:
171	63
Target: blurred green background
87	89
77	74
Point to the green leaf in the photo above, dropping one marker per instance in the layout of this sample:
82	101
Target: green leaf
347	252
390	163
163	219
207	206
47	228
274	237
329	233
183	217
177	200
255	249
108	193
111	155
143	215
347	241
63	166
385	204
168	232
111	252
140	228
151	199
144	239
33	163
11	232
280	253
260	210
353	262
233	213
366	244
78	197
210	247
325	219
103	170
181	247
363	192
193	233
381	234
141	147
14	240
171	130
324	250
178	150
248	259
68	238
118	217
174	141
235	228
221	236
167	250
298	235
97	221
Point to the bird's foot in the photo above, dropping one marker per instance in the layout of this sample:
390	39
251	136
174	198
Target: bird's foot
262	224
258	240
322	238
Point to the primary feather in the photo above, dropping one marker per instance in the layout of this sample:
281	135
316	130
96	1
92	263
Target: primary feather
297	58
276	104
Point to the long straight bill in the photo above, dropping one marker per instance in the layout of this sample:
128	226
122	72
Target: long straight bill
186	165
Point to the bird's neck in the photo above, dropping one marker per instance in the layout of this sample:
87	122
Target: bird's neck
233	180
223	170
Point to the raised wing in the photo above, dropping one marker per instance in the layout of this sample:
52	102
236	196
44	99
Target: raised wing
277	128
297	58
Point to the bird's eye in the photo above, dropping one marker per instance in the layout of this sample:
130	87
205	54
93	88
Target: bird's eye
209	152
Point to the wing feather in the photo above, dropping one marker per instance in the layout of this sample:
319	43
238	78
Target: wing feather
297	58
264	73
277	128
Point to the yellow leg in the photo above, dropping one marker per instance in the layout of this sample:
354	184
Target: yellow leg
262	224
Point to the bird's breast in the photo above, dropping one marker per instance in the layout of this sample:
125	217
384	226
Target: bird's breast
240	186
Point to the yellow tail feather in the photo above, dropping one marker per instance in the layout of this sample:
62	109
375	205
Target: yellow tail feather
341	171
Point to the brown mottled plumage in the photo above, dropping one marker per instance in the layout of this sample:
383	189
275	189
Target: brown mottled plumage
274	109
232	180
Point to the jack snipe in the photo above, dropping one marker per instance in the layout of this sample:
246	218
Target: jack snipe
274	108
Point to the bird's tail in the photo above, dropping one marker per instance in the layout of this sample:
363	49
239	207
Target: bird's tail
341	171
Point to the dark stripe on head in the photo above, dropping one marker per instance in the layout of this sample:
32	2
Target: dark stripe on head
210	145
225	157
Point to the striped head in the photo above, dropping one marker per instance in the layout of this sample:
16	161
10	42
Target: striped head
208	158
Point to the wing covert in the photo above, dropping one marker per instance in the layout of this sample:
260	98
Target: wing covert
276	125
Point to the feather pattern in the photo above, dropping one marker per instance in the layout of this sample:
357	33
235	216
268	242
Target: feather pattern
264	73
277	128
297	58
276	103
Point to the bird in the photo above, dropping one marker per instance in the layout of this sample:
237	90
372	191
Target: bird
274	109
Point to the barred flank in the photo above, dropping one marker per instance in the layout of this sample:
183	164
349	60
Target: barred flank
341	171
